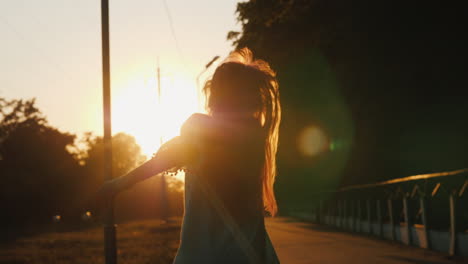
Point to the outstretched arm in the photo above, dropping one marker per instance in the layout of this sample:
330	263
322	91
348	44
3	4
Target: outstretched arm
173	153
177	152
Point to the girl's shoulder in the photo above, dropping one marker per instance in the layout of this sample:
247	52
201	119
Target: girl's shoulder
219	127
197	119
219	139
195	124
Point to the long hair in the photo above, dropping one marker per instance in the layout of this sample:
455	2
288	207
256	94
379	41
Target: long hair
242	84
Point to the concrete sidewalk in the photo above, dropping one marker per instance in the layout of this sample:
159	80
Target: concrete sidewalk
299	242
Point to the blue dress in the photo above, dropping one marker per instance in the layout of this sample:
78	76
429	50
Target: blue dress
224	216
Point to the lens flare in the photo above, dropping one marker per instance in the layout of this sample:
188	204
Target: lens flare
312	141
56	218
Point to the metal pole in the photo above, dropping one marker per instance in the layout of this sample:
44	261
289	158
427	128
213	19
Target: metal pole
352	226
339	216
320	217
359	214
423	205
369	216
390	216
164	200
110	247
408	223
344	221
453	226
163	197
379	218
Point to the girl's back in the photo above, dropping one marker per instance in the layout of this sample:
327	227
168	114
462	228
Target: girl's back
223	219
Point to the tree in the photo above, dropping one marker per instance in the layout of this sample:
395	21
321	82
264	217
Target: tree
142	200
126	155
46	172
376	76
39	175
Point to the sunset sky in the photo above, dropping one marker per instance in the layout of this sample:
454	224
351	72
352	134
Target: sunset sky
51	50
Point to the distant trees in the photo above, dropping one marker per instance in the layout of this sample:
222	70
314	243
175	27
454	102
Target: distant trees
126	155
382	79
45	172
141	201
38	174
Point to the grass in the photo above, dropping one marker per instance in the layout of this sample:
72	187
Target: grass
148	241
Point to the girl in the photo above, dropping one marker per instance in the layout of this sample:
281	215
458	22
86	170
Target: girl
230	160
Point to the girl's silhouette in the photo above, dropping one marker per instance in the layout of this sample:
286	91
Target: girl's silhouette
230	160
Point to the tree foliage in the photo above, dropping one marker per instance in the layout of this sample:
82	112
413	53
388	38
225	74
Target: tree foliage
46	172
126	155
141	201
38	173
382	79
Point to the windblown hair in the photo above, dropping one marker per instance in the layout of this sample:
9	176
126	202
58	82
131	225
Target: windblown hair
244	85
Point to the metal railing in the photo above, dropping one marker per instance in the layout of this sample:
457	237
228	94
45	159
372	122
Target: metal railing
429	210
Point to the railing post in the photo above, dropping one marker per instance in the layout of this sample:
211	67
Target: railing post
340	214
422	205
353	215
349	215
320	216
358	222
407	220
379	218
390	215
368	204
453	226
314	211
334	213
344	221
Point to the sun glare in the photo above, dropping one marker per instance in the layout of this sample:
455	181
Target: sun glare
151	118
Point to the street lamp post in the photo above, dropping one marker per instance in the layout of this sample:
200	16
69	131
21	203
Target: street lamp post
110	246
164	201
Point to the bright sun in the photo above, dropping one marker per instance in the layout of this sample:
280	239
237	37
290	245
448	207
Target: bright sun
138	111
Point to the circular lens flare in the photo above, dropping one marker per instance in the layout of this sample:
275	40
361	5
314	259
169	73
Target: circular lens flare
312	141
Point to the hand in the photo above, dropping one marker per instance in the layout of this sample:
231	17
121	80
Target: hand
96	202
106	192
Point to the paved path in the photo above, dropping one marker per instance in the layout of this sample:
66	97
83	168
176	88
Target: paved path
298	242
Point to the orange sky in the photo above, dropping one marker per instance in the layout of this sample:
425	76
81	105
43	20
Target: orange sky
51	50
